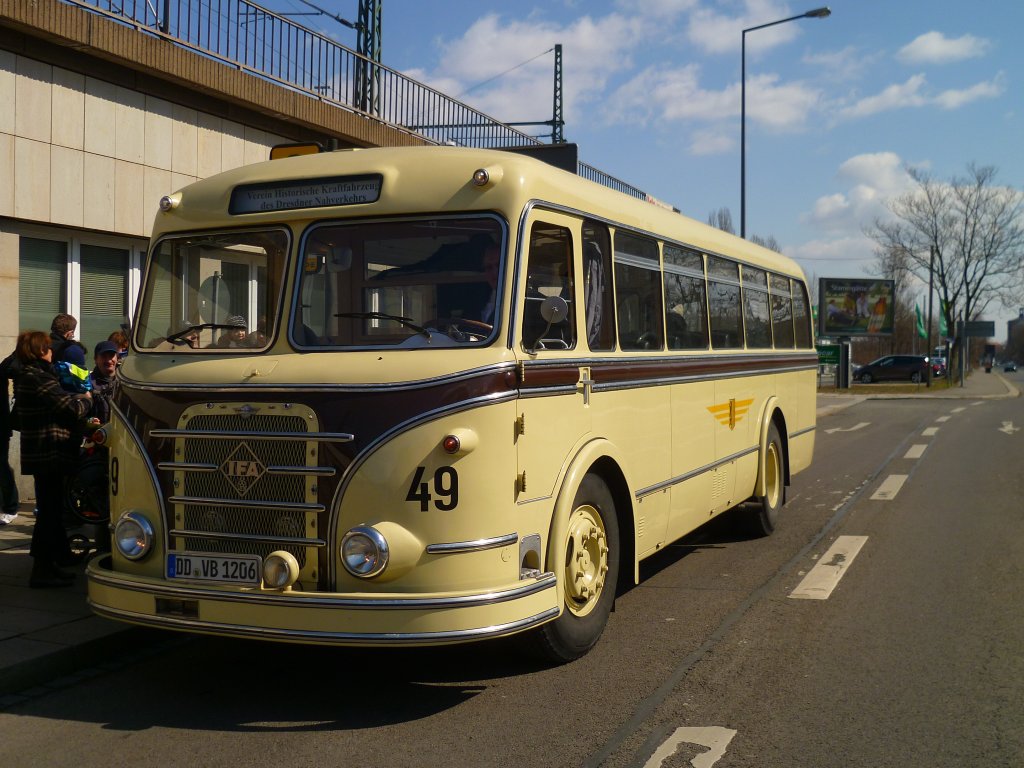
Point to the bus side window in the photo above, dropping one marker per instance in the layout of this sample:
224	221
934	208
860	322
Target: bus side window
638	292
724	303
549	273
597	286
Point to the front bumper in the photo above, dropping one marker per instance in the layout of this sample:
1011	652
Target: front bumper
318	617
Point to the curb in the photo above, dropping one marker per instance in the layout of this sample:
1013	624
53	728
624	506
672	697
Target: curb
53	670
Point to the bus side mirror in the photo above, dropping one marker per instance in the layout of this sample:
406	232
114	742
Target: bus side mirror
553	310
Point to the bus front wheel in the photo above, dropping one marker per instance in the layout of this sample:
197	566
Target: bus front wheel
766	510
589	574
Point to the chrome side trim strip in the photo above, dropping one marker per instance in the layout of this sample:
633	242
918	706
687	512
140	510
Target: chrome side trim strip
219	536
211	434
323	386
327	638
245	503
476	545
802	432
700	470
317	600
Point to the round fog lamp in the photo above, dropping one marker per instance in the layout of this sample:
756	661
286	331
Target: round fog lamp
364	552
280	570
133	535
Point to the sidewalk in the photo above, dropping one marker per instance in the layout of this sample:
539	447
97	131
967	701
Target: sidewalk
978	386
47	634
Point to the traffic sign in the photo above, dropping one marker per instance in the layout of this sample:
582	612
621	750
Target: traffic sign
982	329
828	354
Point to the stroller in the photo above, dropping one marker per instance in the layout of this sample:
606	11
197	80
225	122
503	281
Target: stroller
86	503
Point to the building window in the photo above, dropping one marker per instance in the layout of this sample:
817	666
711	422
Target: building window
104	293
42	282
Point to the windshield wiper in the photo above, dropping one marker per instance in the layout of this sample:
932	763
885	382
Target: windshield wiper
405	321
174	338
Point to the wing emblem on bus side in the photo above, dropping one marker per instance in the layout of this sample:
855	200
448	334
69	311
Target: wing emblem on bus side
730	413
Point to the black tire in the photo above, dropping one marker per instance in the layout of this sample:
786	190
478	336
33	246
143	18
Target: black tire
866	378
765	514
589	575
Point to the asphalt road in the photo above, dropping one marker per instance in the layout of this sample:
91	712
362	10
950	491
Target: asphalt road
916	657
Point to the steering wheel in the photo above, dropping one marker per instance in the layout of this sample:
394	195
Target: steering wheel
461	328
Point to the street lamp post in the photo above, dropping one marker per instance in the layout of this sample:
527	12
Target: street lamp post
817	13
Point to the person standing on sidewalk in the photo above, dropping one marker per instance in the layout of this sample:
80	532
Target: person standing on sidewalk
48	418
8	487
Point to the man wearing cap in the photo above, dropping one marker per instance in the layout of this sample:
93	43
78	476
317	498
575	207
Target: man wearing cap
103	379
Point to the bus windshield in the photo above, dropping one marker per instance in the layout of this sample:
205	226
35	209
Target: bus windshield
213	291
415	283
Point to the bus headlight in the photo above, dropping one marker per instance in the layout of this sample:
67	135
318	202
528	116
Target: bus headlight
280	570
364	552
133	535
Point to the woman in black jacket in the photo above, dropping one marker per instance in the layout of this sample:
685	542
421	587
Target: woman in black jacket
48	418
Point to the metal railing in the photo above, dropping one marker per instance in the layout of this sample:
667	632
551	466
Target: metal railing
267	45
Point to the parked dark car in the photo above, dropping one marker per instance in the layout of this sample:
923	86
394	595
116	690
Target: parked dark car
1009	366
893	368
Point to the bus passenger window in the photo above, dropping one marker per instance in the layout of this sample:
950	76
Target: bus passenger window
801	316
549	273
597	286
782	311
638	292
686	308
724	303
756	318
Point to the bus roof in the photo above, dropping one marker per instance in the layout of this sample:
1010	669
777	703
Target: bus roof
433	180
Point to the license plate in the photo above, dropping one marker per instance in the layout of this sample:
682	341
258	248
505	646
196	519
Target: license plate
226	569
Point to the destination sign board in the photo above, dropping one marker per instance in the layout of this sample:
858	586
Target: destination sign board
305	193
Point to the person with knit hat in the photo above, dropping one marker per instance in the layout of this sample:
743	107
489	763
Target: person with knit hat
235	335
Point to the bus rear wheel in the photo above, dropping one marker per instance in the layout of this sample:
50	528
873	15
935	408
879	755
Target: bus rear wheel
766	511
589	574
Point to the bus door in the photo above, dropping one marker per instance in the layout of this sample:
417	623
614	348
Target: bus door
554	407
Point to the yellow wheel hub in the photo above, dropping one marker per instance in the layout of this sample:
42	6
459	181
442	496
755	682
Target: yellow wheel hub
773	481
586	560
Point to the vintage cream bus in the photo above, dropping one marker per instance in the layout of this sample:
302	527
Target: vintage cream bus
432	395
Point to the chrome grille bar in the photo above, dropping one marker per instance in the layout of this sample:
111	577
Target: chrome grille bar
209	434
261	538
246	503
274	470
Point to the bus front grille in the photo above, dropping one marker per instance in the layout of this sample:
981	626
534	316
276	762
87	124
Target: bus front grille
245	482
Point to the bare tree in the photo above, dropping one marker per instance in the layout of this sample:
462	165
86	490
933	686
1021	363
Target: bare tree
722	219
976	229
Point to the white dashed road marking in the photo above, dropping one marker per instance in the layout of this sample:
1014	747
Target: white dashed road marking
916	451
929	432
943	418
889	488
824	577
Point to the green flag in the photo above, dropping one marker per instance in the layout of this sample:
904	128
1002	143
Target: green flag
920	322
943	329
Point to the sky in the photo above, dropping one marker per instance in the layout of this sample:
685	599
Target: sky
837	108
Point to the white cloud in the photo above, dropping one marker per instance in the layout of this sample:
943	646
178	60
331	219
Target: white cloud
954	99
849	63
936	48
870	181
914	93
713	32
897	96
711	141
666	95
492	45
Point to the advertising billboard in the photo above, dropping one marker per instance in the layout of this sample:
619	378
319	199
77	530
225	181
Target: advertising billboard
851	306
